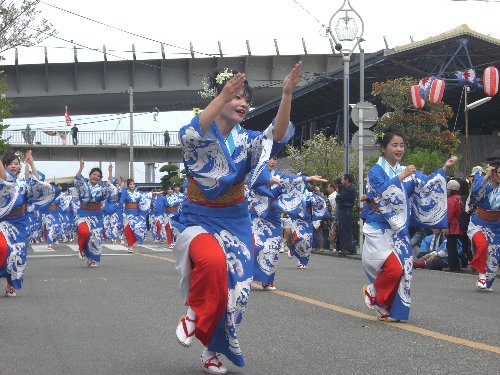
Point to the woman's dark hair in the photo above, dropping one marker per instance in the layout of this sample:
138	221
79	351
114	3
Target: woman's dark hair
9	157
95	169
389	132
247	90
129	181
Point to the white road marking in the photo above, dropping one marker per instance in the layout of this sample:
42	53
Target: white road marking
71	255
40	248
163	248
73	247
114	247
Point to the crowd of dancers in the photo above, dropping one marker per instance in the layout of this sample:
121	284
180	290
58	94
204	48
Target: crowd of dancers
33	211
228	226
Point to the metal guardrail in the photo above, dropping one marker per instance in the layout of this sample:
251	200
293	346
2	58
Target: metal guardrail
88	138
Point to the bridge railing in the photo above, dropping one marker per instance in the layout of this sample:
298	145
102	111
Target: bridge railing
88	138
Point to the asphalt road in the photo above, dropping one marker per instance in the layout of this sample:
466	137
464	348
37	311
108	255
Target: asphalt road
120	318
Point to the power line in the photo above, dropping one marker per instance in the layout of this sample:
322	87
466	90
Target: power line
318	21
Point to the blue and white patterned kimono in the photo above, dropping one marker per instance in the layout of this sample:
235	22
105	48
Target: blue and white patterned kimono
113	217
52	222
157	217
93	218
419	200
136	217
312	208
14	195
35	226
484	196
64	216
215	165
265	208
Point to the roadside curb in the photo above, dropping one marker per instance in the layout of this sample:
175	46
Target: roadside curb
467	270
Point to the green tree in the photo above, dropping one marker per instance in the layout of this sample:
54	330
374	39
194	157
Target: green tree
320	155
172	175
430	141
323	156
6	107
20	24
18	27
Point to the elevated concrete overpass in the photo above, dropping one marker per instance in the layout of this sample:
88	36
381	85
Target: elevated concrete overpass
106	147
168	84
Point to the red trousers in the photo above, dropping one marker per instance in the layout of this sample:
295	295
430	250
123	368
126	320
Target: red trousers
168	229
208	288
158	228
481	245
387	282
83	236
4	250
130	236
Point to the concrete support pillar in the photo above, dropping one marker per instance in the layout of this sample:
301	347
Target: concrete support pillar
122	163
149	169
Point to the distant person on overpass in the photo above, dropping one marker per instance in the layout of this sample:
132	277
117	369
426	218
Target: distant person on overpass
28	135
74	134
166	138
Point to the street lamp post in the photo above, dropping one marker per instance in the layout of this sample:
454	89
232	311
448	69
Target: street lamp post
346	30
131	142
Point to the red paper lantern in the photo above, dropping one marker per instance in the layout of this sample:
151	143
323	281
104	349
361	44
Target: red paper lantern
436	92
490	81
416	98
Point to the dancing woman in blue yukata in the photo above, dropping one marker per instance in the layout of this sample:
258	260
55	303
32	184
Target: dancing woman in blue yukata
214	251
16	193
398	196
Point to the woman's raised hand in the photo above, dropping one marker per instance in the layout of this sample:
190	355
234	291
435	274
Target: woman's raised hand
489	172
292	79
28	157
82	164
316	179
408	171
274	181
450	162
233	87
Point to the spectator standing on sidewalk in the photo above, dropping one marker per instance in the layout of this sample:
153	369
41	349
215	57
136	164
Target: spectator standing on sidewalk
332	207
74	134
345	204
454	233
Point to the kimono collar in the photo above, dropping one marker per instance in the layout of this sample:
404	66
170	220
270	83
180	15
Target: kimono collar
94	190
388	169
231	137
10	176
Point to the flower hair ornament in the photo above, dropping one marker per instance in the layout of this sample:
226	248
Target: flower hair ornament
210	84
20	156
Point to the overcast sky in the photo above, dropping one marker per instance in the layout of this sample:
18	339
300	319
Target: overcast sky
204	23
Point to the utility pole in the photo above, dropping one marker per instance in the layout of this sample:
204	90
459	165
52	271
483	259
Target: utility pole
131	103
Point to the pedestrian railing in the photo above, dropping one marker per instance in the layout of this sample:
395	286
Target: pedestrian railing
88	138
